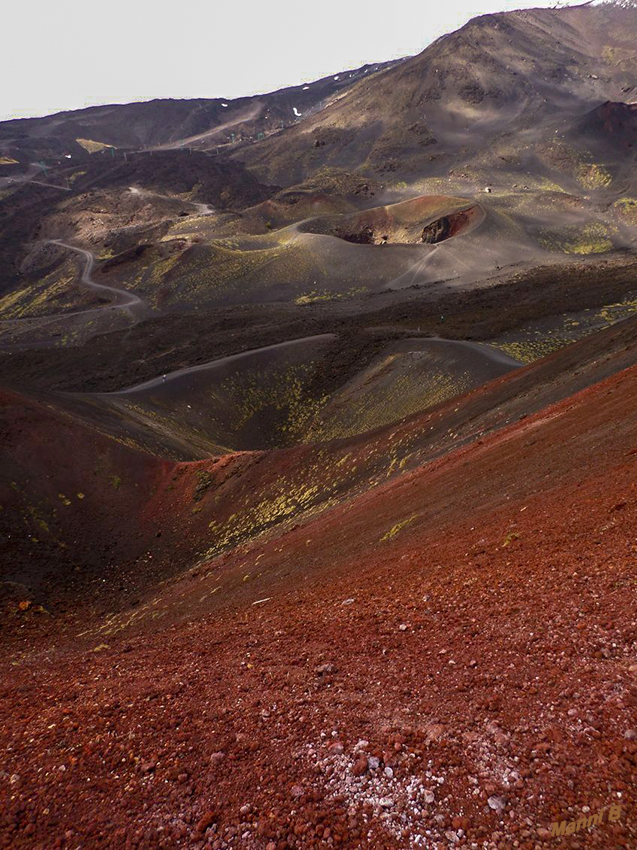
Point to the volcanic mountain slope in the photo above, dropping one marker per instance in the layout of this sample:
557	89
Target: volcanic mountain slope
371	671
178	256
534	106
119	210
175	255
202	123
507	104
509	73
82	499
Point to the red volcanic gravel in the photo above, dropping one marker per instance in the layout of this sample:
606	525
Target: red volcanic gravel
463	684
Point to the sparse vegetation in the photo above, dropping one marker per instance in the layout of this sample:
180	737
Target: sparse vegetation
396	529
627	209
92	146
592	238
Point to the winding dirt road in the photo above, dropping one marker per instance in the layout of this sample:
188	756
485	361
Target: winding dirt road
248	115
220	361
121	299
202	209
487	352
125	299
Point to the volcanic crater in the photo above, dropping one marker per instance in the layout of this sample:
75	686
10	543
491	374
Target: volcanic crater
429	219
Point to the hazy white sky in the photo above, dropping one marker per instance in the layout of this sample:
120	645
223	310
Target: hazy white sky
72	53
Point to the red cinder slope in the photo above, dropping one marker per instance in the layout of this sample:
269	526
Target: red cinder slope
140	519
449	658
70	497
